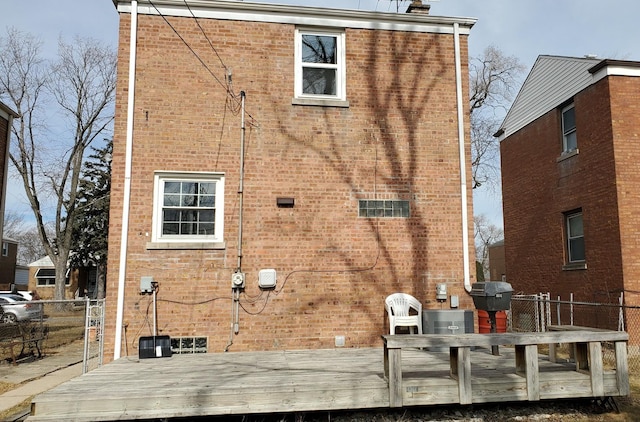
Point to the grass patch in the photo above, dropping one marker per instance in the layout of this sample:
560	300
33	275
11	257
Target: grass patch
24	406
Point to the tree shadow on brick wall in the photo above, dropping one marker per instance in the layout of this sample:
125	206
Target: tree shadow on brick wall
403	85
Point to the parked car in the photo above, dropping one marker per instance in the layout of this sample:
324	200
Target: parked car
17	308
27	295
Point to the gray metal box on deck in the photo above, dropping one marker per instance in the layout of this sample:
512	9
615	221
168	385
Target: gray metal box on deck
154	347
491	295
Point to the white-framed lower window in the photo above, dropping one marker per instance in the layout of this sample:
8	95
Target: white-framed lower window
47	277
320	62
188	207
575	237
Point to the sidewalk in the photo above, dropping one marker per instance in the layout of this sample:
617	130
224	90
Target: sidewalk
39	375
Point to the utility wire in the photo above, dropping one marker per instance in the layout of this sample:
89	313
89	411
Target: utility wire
226	87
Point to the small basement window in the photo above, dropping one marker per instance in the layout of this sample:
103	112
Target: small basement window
188	345
383	208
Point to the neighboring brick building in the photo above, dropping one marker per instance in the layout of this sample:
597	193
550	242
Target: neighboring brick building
349	115
570	151
6	120
497	271
8	261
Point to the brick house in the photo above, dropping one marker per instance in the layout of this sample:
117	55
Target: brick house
569	152
6	121
324	150
8	261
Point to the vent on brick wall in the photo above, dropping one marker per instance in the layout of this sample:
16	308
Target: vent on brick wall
187	345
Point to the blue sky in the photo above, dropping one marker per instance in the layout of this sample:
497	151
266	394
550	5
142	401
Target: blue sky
522	28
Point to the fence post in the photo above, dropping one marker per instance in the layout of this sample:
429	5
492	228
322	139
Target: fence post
87	324
621	313
571	308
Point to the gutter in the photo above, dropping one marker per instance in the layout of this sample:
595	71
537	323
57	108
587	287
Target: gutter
463	166
124	236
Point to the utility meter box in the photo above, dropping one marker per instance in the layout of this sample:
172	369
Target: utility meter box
267	279
237	280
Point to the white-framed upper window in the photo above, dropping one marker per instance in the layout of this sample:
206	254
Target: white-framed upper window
320	64
188	207
5	249
569	138
575	237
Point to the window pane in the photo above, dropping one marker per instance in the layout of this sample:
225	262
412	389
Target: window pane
188	201
171	200
206	216
319	81
205	228
575	226
172	187
207	188
570	141
188	228
171	215
207	201
319	49
576	249
170	228
569	120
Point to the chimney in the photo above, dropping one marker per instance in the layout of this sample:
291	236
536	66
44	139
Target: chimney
416	6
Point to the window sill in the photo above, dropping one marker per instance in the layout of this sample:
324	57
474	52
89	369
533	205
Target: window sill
574	266
322	102
568	154
185	245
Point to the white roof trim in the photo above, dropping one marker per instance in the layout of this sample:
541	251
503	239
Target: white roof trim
300	15
615	70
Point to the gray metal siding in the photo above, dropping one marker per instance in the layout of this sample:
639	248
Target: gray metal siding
552	81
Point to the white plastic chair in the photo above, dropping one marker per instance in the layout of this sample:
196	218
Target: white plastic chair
399	306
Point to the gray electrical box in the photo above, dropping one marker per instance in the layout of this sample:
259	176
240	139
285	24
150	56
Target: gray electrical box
446	321
146	284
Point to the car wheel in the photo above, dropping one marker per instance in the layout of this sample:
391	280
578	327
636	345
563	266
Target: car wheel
9	318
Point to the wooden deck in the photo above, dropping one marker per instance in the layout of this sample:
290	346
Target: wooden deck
296	381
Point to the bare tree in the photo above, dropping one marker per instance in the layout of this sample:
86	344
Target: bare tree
493	78
486	234
77	89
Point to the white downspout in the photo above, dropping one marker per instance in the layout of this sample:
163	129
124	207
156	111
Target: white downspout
127	180
463	160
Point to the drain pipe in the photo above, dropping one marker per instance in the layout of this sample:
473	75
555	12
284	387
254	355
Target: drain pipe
241	186
235	284
127	181
463	166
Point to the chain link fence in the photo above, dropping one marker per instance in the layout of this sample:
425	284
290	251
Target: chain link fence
69	330
537	312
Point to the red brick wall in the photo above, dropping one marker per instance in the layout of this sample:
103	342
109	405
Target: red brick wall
624	121
397	140
538	189
4	130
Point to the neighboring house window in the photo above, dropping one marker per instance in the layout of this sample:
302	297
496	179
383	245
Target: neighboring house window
47	277
383	208
188	207
320	64
569	138
575	237
5	249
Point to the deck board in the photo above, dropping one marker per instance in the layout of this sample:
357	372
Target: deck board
275	382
